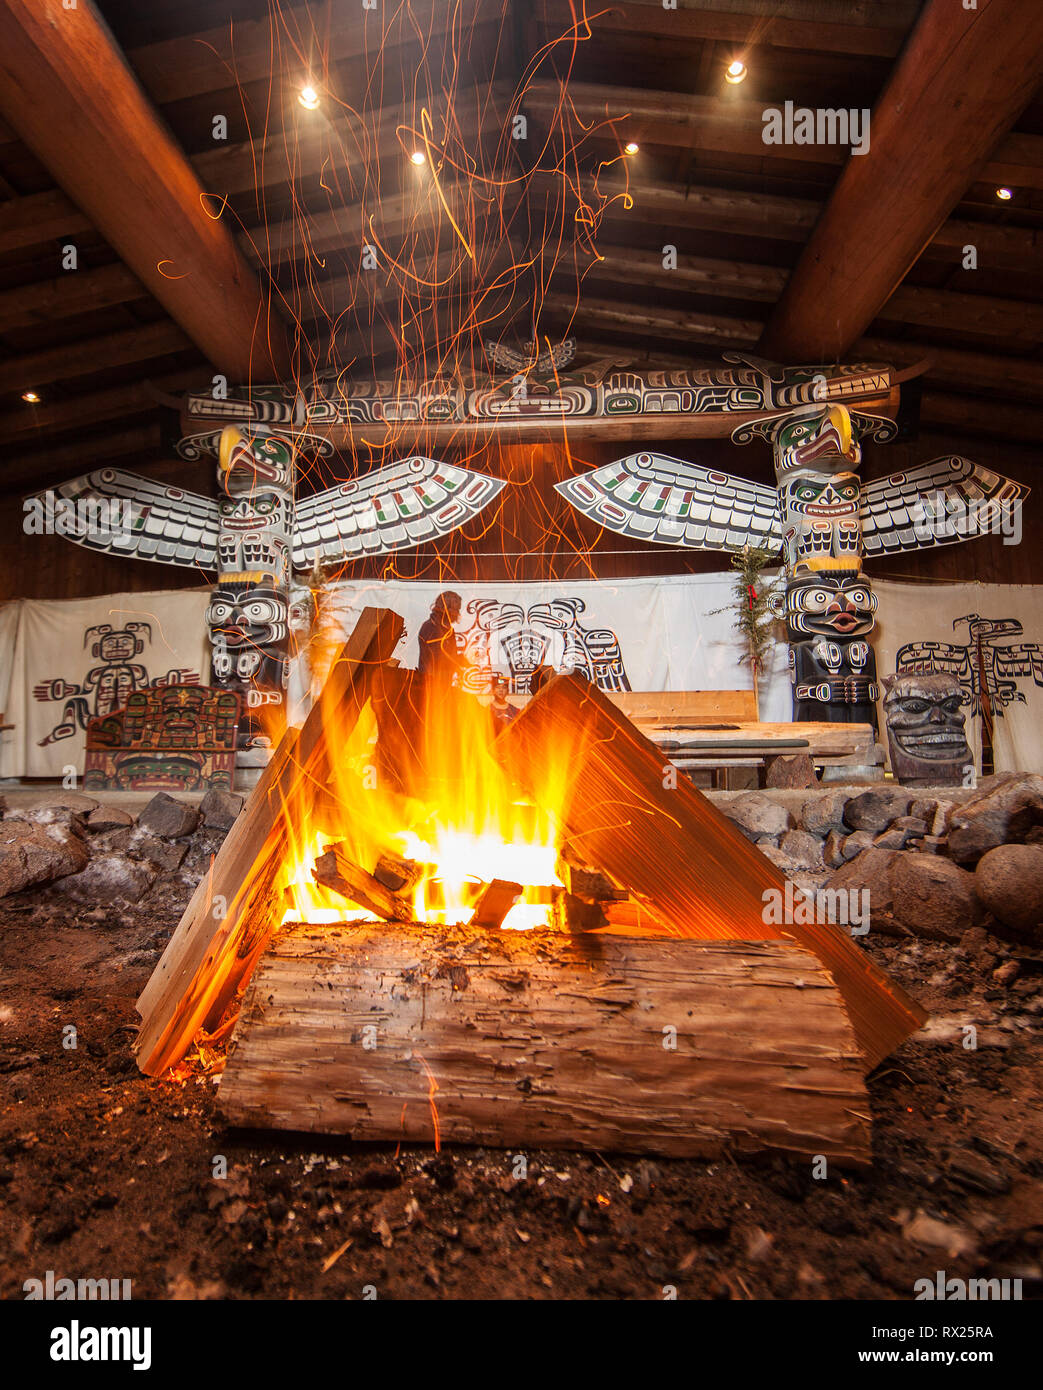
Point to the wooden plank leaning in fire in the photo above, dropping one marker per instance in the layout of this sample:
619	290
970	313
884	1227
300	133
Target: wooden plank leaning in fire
336	870
629	814
494	902
231	914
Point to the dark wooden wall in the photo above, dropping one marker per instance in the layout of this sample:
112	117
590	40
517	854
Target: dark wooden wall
533	534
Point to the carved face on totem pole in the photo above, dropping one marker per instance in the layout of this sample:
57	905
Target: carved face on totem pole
829	608
925	730
249	609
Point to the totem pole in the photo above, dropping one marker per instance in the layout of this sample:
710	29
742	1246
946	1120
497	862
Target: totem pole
249	608
819	517
829	606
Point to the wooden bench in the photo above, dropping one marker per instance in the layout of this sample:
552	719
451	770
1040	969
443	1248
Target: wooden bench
716	730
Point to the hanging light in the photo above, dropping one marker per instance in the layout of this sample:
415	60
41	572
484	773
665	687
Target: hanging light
1004	194
31	397
736	71
308	98
418	157
631	147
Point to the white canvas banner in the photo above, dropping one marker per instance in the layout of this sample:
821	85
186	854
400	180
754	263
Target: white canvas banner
631	634
987	635
74	659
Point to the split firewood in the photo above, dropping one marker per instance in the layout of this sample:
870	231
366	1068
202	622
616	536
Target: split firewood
337	871
584	882
398	875
494	902
572	913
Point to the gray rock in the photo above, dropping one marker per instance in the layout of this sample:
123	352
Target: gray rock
110	878
31	854
1002	814
871	872
163	854
857	842
877	808
168	818
756	814
219	808
805	849
791	770
833	850
821	814
924	808
900	832
49	814
933	897
104	818
1009	882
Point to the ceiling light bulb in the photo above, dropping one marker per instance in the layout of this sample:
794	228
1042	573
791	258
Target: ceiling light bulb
1004	194
418	157
308	98
31	397
735	71
632	147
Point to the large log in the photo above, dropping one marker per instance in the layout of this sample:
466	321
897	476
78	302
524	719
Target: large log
541	1038
627	812
231	914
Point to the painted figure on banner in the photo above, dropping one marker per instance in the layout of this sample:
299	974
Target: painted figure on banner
507	639
108	685
987	667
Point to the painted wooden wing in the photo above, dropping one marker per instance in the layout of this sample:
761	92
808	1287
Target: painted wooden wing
652	497
124	514
946	500
409	502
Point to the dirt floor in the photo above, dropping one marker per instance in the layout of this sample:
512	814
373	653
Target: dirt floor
104	1173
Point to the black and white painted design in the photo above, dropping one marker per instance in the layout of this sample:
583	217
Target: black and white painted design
986	665
509	639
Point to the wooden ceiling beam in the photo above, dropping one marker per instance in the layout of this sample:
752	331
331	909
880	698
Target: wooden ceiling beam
38	218
973	372
68	92
258	50
29	422
680	120
975	416
74	292
961	82
650	322
40	468
91	355
876	29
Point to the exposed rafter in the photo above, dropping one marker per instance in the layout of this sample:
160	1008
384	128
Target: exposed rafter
966	74
68	92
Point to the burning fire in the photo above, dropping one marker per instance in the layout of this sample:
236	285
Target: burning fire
417	784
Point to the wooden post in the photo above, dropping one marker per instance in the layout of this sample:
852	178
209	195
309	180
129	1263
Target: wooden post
538	1038
629	813
230	916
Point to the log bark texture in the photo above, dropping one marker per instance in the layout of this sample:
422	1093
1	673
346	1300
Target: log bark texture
676	854
542	1038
